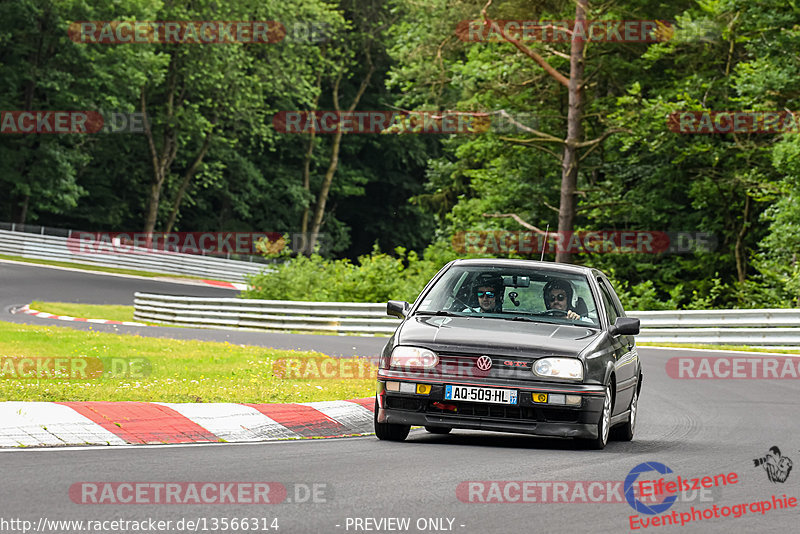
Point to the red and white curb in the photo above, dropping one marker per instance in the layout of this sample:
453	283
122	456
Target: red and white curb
229	285
44	315
38	424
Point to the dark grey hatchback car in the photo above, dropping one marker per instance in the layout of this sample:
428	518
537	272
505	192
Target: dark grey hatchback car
511	346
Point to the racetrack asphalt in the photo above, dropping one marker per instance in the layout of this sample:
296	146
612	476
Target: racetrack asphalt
697	428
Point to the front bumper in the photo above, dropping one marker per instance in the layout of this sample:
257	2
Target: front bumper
526	417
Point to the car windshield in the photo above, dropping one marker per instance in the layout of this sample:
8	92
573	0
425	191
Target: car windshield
513	293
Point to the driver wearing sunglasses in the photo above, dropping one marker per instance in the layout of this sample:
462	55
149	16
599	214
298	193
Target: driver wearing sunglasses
489	289
487	298
558	296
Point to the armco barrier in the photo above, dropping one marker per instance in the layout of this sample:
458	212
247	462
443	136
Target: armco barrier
47	247
780	327
338	317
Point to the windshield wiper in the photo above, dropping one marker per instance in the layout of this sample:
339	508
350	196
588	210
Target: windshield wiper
441	313
526	319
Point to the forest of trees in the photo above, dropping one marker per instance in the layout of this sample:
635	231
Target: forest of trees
586	143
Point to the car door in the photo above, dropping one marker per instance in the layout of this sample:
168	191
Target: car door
626	359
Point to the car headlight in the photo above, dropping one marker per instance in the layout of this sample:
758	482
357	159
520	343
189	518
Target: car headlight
569	368
413	358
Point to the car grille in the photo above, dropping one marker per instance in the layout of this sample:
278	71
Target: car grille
484	411
463	365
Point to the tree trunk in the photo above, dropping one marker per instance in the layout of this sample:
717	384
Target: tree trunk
187	177
322	198
19	209
152	206
741	262
307	174
20	203
169	148
569	166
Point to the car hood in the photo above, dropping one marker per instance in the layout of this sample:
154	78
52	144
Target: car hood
501	337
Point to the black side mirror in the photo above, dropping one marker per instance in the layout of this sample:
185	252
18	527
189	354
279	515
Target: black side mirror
397	308
624	326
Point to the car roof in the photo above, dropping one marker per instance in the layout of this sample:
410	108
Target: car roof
533	264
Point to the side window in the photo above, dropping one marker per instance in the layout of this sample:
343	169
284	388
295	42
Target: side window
611	311
614	298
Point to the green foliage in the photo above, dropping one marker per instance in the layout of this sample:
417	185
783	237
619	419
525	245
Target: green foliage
407	190
377	277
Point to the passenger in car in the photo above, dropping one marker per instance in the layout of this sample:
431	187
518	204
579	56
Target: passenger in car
558	296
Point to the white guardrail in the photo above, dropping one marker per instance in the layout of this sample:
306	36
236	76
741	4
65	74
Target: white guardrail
55	248
773	327
211	312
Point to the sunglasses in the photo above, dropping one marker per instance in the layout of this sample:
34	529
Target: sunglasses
559	297
488	294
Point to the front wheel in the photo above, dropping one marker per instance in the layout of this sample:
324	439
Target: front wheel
603	423
389	431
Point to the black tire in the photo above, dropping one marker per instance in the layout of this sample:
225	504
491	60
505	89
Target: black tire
625	432
603	423
389	431
438	429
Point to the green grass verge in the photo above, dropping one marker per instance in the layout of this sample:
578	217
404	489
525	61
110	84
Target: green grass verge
181	371
100	268
87	311
740	348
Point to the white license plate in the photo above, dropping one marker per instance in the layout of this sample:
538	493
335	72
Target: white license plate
473	394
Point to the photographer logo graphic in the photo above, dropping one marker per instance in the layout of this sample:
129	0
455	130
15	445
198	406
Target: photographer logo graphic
777	467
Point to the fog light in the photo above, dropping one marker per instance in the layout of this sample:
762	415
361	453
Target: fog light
573	400
407	387
557	398
392	386
423	389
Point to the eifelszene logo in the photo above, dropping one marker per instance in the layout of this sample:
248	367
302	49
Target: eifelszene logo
664	492
630	484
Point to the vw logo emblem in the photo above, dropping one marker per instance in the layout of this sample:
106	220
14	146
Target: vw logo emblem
484	363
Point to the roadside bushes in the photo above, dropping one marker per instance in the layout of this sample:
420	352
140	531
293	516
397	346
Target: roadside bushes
376	277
